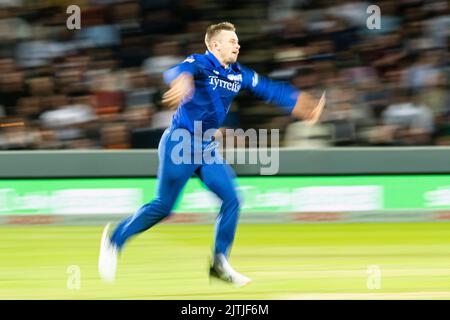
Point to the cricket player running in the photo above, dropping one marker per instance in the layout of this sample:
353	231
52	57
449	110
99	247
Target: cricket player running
202	88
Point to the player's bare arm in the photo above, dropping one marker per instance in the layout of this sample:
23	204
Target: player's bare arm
308	108
180	88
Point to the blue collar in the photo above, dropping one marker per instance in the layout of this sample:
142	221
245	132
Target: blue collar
213	59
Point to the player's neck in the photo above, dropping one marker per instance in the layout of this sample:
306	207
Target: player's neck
225	65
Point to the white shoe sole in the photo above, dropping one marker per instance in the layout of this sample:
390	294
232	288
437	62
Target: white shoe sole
226	273
107	260
214	277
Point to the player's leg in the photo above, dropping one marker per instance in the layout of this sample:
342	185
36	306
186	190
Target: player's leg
153	212
171	179
220	179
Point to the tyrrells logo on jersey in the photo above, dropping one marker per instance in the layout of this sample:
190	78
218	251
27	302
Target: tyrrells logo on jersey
235	77
234	86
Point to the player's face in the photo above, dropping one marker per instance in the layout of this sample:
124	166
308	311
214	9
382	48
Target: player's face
228	46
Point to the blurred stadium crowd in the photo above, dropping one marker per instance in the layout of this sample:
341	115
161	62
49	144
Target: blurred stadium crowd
100	87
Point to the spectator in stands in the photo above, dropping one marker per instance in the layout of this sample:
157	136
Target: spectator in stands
405	122
113	65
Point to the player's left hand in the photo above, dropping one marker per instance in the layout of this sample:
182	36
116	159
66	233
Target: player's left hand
308	108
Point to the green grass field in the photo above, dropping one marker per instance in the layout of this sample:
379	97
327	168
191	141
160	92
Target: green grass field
285	262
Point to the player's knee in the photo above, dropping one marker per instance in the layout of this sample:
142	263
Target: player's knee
234	203
161	208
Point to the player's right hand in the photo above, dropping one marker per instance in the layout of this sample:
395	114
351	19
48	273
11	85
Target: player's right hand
180	88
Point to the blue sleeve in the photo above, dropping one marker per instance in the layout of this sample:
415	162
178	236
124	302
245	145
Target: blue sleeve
280	93
189	65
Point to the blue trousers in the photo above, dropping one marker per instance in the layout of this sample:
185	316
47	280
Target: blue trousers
218	176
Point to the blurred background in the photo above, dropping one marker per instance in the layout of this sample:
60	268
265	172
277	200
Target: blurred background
327	226
99	87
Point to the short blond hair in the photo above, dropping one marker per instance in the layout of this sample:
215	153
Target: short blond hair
214	29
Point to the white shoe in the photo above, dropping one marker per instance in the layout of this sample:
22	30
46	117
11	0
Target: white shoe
107	260
221	269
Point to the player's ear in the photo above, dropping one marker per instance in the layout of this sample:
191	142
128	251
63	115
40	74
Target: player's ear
215	44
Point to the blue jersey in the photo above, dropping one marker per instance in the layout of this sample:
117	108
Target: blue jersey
216	87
